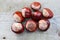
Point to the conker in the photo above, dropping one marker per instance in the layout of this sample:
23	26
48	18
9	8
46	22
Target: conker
31	25
47	13
26	12
17	28
18	16
44	24
35	6
37	15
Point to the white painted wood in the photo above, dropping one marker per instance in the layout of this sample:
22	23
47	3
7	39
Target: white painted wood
7	7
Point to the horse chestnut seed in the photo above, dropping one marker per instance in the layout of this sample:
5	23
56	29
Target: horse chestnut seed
47	13
35	6
44	24
17	28
31	25
37	15
18	16
26	12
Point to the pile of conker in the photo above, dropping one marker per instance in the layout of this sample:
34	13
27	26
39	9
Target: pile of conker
37	19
